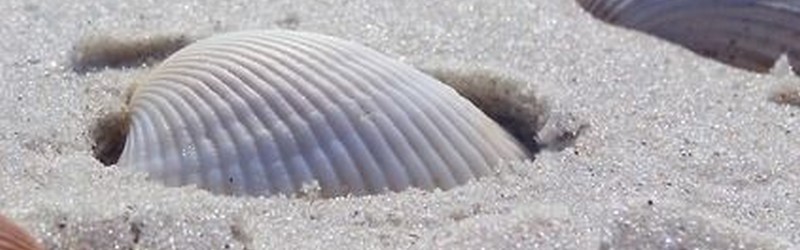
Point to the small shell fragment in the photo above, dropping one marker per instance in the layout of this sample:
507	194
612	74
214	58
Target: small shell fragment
786	95
13	237
269	112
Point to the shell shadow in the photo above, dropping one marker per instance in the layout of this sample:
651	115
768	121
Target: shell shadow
94	53
508	100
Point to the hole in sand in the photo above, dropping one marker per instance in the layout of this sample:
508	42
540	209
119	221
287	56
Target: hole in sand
108	135
97	52
750	35
513	103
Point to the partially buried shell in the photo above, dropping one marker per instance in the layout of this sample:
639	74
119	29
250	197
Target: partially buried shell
750	34
267	112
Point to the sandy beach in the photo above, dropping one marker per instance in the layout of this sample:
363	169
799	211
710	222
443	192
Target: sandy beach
679	151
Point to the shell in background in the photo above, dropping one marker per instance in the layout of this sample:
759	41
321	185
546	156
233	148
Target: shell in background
13	237
268	112
749	34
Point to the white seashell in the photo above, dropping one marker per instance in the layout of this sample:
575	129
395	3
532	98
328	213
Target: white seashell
749	34
267	112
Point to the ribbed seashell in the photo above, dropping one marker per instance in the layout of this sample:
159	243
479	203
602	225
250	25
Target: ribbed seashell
749	34
12	237
267	112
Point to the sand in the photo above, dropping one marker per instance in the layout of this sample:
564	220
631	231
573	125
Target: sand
679	151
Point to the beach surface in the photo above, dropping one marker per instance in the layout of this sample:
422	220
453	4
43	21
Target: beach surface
676	151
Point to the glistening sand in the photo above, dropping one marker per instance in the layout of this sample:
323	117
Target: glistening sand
681	151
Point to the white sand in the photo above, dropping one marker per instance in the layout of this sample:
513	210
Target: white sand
682	152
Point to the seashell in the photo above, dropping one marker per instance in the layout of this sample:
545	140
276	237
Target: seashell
270	112
749	34
12	237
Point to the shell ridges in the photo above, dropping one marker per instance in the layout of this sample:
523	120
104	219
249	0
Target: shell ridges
267	112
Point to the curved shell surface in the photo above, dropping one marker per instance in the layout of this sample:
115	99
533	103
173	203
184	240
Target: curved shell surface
749	34
267	112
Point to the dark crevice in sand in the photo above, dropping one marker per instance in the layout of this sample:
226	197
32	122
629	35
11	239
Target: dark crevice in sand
108	135
513	103
93	53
